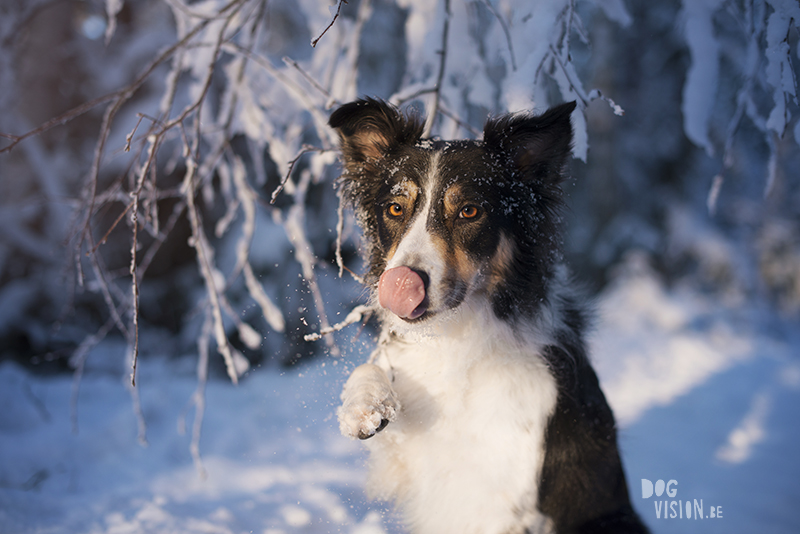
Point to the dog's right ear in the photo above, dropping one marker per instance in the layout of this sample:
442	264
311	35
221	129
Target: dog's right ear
370	128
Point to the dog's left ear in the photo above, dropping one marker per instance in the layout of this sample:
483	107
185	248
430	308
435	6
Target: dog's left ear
538	145
370	128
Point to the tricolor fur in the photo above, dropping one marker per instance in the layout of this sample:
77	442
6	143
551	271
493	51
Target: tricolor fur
484	413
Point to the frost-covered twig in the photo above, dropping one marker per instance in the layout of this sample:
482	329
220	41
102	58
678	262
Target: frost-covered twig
595	94
152	141
203	249
409	93
568	19
358	314
765	72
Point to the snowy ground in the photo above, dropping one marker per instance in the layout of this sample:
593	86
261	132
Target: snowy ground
705	396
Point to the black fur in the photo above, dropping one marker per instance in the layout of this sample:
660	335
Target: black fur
582	485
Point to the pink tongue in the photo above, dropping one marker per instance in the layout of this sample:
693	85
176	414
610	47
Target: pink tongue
401	291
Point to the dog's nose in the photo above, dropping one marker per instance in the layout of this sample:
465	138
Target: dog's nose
426	280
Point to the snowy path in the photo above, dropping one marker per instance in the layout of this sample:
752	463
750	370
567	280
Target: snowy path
703	399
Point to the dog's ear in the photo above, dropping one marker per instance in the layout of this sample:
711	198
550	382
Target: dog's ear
538	146
370	128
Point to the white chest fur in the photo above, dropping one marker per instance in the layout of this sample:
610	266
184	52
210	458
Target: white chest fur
466	448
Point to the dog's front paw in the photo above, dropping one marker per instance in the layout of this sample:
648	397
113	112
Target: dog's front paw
368	403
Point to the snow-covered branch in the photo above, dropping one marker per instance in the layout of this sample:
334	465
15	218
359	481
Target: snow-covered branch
764	28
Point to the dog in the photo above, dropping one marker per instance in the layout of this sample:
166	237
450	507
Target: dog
481	411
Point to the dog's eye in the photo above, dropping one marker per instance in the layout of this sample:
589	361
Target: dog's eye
394	210
468	212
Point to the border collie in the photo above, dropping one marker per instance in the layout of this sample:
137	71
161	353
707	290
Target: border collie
483	412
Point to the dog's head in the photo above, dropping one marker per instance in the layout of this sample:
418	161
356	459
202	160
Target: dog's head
448	221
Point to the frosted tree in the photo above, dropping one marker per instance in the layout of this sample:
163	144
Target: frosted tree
762	32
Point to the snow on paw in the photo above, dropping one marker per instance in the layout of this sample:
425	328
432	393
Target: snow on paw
368	403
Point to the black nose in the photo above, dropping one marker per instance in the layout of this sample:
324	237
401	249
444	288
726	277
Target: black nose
425	278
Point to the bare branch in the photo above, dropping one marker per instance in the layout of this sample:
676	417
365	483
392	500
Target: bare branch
292	63
328	27
304	150
410	93
102	240
129	137
58	121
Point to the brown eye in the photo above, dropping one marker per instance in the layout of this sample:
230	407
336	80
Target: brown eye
468	212
395	210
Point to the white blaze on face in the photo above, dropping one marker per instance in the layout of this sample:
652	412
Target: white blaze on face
418	252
